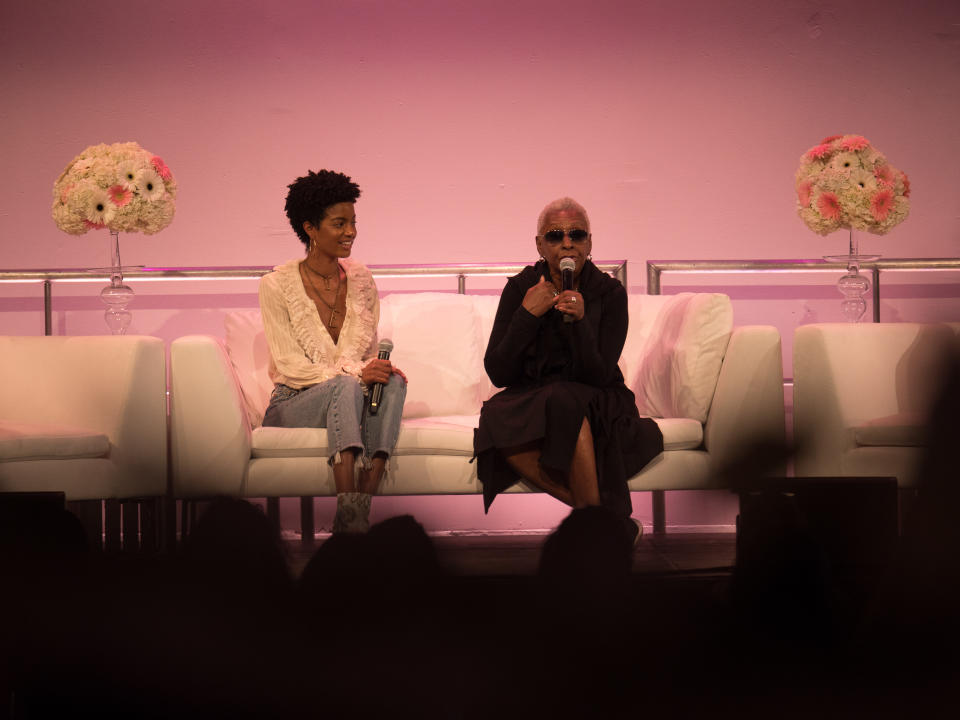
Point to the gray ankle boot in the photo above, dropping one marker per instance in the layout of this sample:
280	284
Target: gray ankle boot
353	513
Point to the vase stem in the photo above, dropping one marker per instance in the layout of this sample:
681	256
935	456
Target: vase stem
853	285
116	268
116	296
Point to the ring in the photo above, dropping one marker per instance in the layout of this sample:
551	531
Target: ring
573	298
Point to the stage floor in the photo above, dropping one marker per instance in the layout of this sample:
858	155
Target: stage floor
513	555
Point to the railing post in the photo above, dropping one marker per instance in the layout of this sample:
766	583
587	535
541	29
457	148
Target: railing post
875	271
653	279
47	307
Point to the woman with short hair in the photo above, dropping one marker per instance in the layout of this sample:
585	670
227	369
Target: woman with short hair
320	315
565	422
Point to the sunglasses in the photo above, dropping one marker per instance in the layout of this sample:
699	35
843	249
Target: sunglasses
556	236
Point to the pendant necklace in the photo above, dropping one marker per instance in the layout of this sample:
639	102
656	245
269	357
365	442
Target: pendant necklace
334	312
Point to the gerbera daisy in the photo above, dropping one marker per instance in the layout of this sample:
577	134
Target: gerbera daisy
150	184
884	174
98	210
863	180
161	168
852	143
804	192
128	176
828	205
819	152
845	162
119	195
881	204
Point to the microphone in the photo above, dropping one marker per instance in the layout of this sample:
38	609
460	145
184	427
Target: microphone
567	266
383	353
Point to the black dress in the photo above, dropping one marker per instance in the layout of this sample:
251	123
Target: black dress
555	374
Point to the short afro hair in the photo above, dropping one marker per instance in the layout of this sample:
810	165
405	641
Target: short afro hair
312	194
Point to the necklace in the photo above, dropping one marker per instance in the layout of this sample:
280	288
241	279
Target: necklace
326	278
334	312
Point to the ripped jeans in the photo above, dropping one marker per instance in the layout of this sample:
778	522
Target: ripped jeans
340	406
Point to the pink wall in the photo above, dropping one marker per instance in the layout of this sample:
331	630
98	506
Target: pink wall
678	124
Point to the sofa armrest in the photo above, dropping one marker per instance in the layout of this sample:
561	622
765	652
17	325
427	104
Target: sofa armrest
747	407
209	430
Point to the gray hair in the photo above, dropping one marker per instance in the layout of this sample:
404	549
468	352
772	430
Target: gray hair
559	205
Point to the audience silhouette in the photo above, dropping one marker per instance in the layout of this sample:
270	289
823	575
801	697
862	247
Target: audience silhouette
374	625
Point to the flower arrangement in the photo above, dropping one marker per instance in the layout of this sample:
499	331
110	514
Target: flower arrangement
845	182
121	187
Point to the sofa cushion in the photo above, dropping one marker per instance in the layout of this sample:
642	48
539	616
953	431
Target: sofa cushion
682	354
680	433
249	354
281	442
437	345
22	441
901	430
450	435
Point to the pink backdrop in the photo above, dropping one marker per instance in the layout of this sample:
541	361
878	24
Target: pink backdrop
678	124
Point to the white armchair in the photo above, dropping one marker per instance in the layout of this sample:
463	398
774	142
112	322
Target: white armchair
85	416
861	394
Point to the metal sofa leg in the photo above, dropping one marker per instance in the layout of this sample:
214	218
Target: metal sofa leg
112	529
306	519
659	502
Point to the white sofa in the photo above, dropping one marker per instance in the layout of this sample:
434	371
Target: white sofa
713	388
86	416
861	394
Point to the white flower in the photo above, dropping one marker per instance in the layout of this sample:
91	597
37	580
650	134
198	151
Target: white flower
82	164
98	209
127	176
864	181
150	184
846	162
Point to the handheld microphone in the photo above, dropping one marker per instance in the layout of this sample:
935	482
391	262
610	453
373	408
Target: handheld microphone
383	353
567	266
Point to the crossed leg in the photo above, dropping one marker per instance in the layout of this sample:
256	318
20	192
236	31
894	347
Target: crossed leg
581	488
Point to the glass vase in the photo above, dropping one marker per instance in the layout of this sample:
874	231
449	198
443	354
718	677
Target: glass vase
116	296
853	286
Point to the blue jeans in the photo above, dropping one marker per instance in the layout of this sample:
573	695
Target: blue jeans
340	406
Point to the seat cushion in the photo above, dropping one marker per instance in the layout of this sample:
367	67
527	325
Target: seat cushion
20	441
900	430
445	435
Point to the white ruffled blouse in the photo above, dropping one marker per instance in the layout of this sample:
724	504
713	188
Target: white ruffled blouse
302	353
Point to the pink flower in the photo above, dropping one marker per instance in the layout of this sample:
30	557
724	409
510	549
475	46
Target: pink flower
828	140
93	226
881	204
65	192
829	205
819	152
906	184
119	195
884	175
804	192
161	168
854	143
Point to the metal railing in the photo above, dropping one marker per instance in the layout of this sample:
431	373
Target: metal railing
655	268
616	268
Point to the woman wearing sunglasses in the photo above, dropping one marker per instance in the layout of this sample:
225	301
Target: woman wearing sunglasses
565	422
